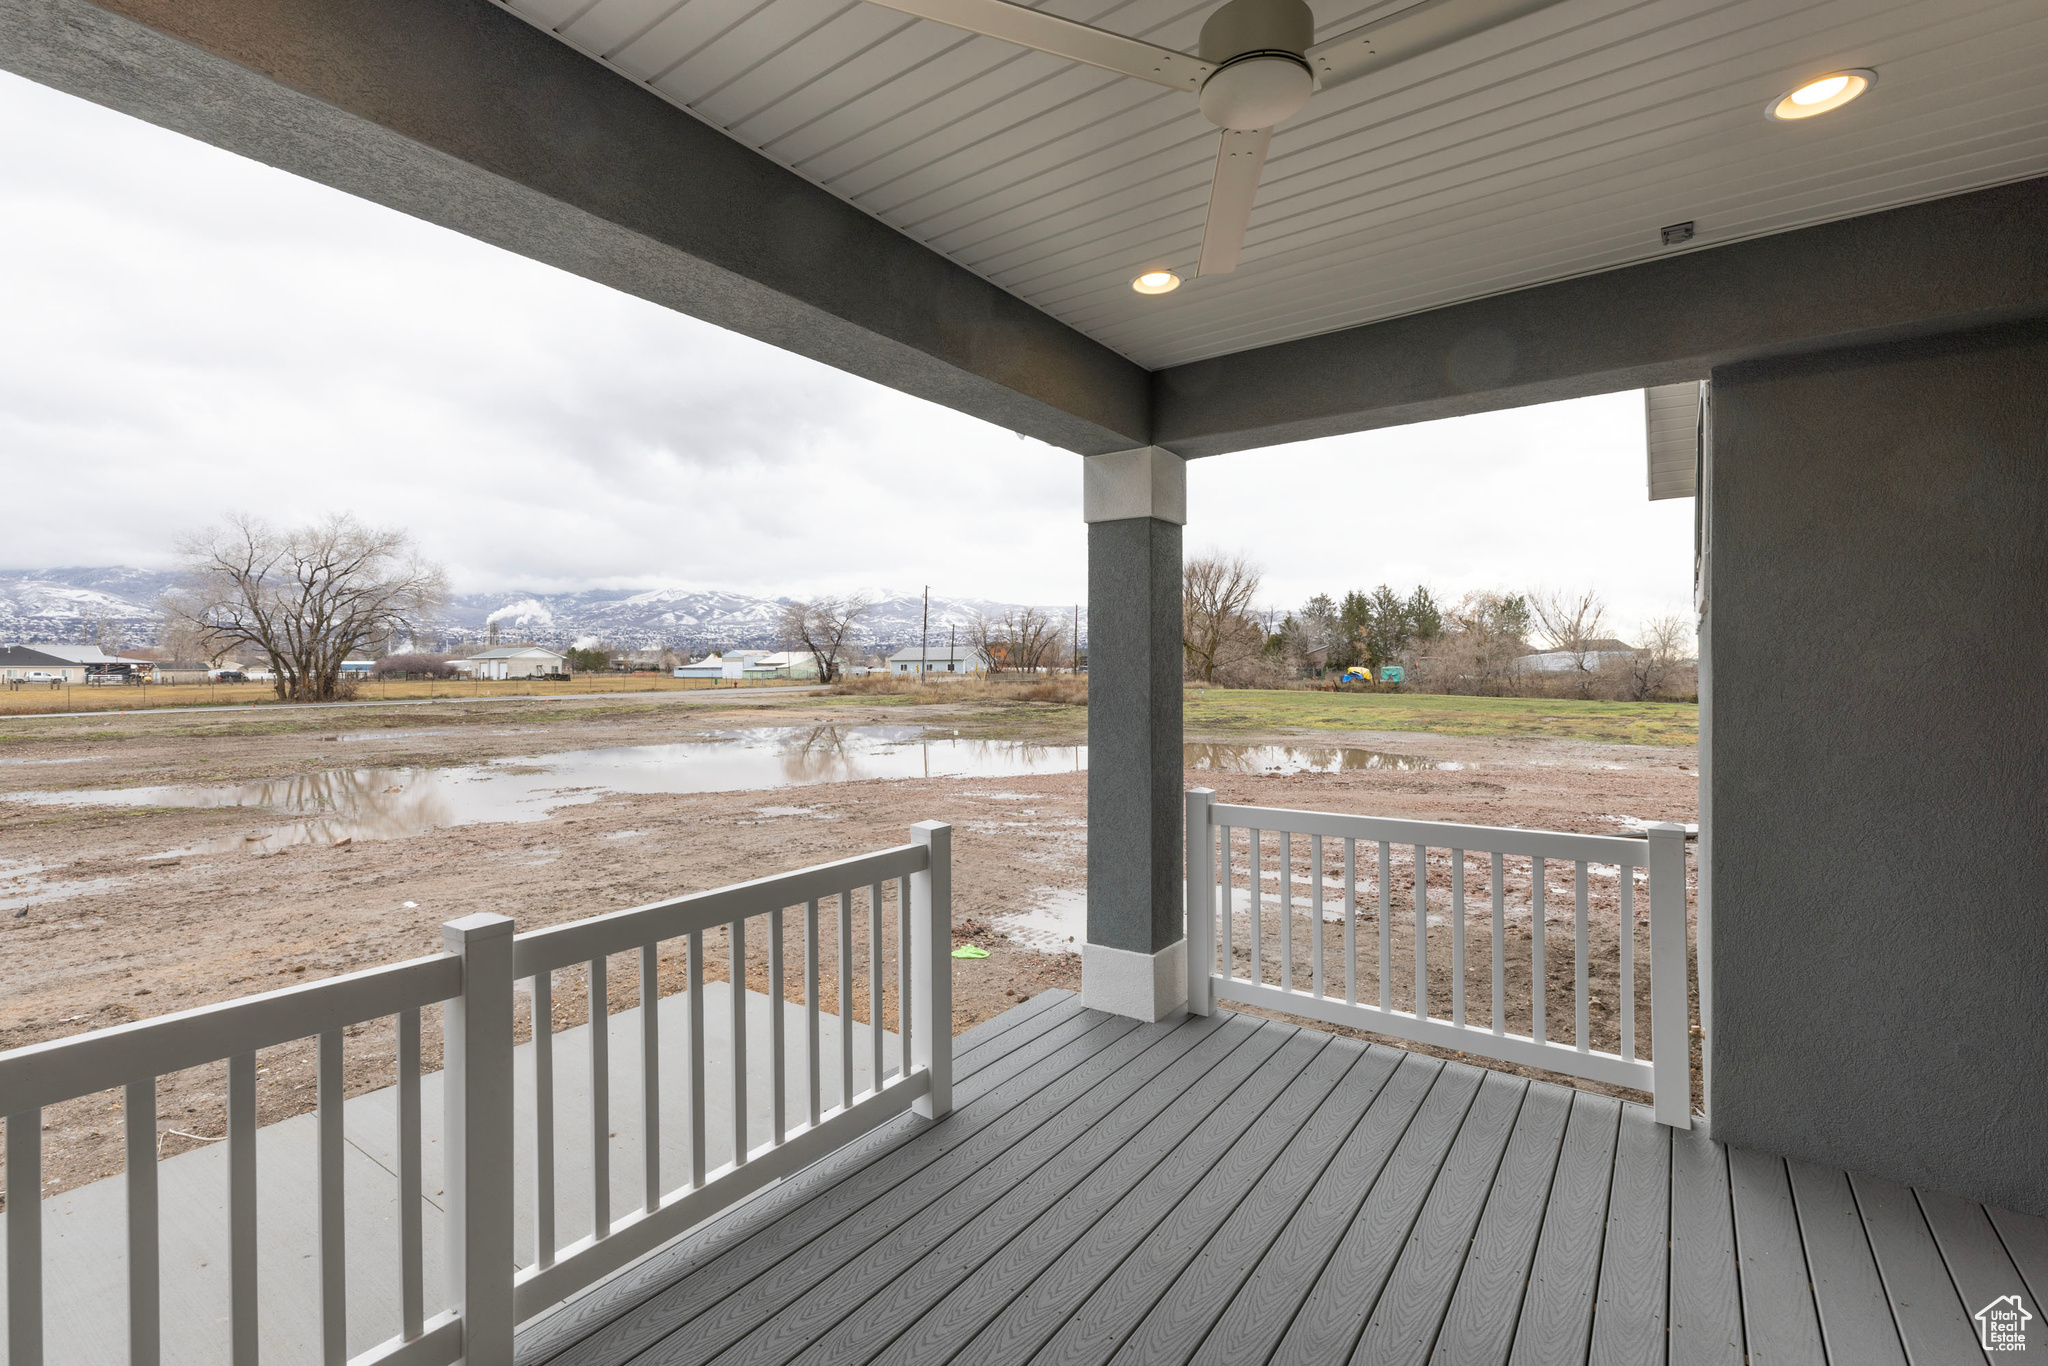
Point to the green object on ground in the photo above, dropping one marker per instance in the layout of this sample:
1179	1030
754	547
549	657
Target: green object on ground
970	951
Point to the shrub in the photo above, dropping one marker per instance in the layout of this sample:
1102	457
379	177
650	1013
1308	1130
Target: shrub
413	666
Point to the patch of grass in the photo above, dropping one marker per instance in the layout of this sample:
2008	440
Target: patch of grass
1231	711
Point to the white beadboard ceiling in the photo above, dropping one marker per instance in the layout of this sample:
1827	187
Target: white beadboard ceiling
1555	145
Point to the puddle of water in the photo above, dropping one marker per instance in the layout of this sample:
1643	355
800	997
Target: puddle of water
81	759
1056	923
391	803
23	885
1285	759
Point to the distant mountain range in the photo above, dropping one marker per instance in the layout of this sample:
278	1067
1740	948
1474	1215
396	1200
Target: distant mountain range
77	604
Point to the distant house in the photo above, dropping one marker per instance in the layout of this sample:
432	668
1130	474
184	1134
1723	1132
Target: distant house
513	661
791	664
740	664
357	668
73	663
938	659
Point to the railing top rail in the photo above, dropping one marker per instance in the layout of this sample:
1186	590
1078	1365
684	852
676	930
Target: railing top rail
599	936
1627	850
63	1069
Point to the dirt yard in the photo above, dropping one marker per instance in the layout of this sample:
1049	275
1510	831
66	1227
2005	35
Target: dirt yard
103	920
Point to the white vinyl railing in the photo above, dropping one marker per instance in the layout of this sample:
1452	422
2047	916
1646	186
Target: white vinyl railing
1284	952
474	979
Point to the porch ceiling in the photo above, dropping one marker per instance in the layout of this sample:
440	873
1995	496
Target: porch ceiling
1554	146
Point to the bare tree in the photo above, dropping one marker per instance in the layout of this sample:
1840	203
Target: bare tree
1571	623
308	598
1218	631
824	627
1026	640
1664	643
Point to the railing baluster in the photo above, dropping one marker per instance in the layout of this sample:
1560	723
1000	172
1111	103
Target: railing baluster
650	1076
1350	921
776	1028
1386	926
846	998
1257	841
1627	940
333	1209
145	1318
543	1118
411	1249
875	985
1457	936
1580	989
811	974
1539	984
1421	933
1315	875
1226	894
736	972
1500	950
25	1238
242	1209
694	986
904	990
1286	910
600	1101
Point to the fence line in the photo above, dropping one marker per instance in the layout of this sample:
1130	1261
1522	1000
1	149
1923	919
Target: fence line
473	982
1222	932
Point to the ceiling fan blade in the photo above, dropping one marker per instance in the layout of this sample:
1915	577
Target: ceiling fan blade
1238	163
1049	33
1409	33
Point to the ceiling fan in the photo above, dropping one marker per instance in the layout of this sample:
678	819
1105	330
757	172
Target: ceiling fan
1258	64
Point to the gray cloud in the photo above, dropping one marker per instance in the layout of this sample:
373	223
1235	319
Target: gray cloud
188	332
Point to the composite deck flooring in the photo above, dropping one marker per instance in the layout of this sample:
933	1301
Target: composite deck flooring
1237	1190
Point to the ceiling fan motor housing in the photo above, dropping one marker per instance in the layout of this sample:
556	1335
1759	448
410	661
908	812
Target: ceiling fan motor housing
1261	75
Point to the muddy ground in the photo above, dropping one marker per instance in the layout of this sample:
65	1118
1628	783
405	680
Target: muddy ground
113	930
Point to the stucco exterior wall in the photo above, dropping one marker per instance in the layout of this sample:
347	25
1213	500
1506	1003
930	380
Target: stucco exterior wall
1879	787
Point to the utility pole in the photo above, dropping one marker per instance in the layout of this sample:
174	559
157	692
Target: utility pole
924	644
1076	661
952	641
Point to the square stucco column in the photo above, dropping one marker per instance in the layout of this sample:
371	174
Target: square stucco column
1135	960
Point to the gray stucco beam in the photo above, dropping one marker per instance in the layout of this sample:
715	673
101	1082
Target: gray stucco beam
459	113
1968	261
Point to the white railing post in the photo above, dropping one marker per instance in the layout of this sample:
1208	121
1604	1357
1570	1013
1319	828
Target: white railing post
477	1135
931	932
1201	895
1670	1037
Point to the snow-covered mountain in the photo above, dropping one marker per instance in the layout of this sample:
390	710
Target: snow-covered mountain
71	604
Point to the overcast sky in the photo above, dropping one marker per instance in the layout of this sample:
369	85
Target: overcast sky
187	332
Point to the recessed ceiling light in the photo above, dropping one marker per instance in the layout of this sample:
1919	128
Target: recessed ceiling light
1156	282
1818	96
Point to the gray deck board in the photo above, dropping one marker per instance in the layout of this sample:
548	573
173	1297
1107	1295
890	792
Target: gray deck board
1628	1320
1094	1172
812	1294
1855	1322
1564	1279
1086	1230
972	1136
2026	1238
1306	1171
1032	1037
1777	1295
1334	1311
1402	1329
1977	1260
1238	1190
1706	1302
1932	1321
1479	1326
1120	1300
